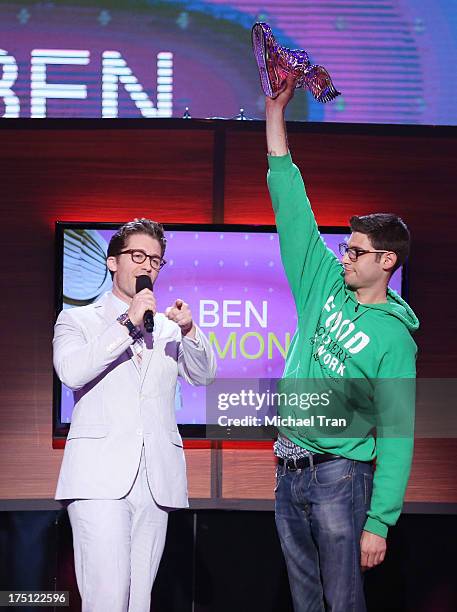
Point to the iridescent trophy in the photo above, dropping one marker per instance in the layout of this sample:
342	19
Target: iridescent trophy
275	63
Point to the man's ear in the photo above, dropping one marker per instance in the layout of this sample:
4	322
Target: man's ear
111	262
390	259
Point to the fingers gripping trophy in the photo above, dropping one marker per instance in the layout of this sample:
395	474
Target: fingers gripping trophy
276	63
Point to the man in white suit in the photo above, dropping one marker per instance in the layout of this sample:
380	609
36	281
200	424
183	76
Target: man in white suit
123	467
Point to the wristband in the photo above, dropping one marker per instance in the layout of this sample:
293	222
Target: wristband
123	319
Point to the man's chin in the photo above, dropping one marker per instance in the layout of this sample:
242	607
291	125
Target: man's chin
350	285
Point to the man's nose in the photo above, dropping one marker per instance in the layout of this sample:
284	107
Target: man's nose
147	265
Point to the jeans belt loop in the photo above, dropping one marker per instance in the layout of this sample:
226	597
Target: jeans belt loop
311	461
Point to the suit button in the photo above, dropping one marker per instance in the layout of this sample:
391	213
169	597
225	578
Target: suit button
139	432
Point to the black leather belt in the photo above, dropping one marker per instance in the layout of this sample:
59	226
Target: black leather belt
304	462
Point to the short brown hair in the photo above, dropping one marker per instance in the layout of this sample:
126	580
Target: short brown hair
386	231
137	226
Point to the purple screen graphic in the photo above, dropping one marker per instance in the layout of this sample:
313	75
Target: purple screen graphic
393	60
236	288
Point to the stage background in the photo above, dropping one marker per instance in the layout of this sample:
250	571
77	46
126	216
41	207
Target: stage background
209	171
393	60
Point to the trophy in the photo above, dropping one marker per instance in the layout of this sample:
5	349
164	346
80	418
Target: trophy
275	63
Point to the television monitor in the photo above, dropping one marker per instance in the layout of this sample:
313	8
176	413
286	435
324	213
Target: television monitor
232	278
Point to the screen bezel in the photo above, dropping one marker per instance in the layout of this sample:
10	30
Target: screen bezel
189	431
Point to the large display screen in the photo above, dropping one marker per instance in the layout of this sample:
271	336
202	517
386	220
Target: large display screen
393	60
232	278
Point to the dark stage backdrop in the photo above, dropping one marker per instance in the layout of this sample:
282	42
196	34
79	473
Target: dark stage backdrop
221	561
205	171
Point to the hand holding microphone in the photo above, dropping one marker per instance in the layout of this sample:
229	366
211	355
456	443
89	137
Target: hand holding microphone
143	306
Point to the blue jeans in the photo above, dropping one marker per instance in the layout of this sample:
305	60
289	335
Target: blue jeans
320	513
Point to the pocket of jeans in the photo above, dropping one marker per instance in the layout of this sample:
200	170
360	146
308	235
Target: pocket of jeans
367	487
333	472
278	476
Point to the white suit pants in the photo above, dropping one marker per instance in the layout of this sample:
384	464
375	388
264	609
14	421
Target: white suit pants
118	544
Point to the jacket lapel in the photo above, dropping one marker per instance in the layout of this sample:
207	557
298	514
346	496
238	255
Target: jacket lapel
148	349
106	307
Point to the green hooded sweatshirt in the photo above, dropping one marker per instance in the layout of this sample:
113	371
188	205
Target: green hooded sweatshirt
339	339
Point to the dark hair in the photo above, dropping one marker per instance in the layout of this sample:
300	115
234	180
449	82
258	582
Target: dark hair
137	226
386	232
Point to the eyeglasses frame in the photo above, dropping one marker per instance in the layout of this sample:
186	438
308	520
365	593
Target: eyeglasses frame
358	252
151	257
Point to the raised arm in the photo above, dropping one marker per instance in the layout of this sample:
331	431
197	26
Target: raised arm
276	127
196	359
310	267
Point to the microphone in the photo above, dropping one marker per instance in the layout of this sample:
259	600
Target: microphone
144	282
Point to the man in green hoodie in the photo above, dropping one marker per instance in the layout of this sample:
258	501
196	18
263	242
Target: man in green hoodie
332	509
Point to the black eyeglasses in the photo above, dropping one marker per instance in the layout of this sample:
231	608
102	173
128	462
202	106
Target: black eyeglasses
139	257
353	252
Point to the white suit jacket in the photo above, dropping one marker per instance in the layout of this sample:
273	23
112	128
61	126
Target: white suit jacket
119	405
